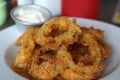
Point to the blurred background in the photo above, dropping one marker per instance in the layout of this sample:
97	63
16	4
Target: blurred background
107	10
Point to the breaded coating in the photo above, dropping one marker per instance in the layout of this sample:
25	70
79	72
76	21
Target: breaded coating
58	31
43	66
27	43
62	50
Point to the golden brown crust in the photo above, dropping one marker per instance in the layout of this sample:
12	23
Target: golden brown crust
62	50
58	31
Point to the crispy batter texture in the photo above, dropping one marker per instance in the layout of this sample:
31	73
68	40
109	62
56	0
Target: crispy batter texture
98	36
23	58
43	66
62	50
58	31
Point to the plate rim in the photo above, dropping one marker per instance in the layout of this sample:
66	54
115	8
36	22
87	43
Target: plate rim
101	22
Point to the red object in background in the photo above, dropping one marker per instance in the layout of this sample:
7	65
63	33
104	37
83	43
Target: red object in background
81	8
14	3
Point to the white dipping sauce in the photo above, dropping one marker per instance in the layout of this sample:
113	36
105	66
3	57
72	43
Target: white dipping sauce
29	15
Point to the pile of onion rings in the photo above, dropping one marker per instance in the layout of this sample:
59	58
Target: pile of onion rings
62	50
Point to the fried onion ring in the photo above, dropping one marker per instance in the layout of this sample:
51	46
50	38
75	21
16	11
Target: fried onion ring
58	31
62	50
43	65
77	71
22	61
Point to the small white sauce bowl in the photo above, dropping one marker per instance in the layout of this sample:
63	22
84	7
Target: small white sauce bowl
22	26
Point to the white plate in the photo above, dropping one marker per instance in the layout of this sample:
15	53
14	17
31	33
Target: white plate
8	50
